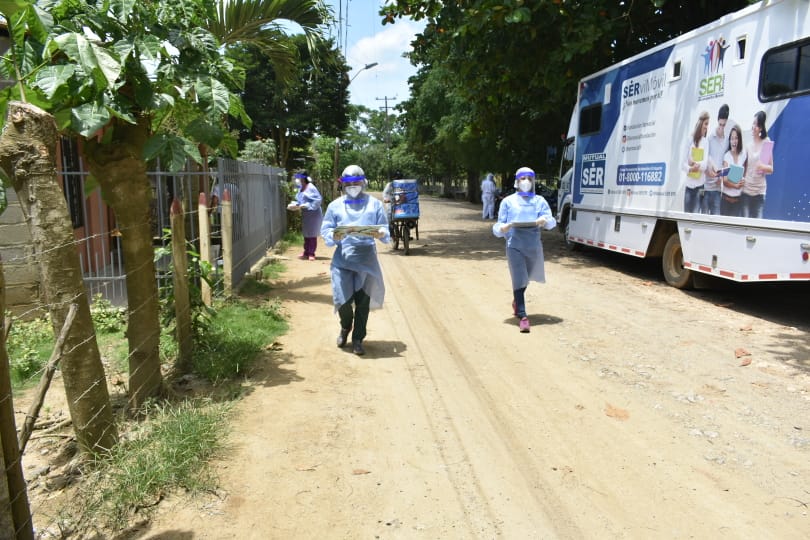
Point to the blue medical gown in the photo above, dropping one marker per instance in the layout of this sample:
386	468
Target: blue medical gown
524	248
309	199
354	263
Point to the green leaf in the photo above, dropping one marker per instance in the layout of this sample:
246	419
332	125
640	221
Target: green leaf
173	151
122	9
202	131
89	56
9	8
51	78
237	110
88	118
213	94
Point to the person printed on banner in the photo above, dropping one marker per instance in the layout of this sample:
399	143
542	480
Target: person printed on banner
695	165
760	163
352	223
734	163
520	218
308	201
717	144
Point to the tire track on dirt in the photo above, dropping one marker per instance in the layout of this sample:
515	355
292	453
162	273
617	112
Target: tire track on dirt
478	409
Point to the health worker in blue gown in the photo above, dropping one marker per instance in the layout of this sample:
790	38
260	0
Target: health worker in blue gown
308	200
521	216
357	281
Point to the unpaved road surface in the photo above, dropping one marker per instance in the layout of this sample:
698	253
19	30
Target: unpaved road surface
625	413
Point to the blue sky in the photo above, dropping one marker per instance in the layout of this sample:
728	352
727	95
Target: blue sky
366	41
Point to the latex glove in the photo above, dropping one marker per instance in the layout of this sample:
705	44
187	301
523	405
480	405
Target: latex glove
541	221
380	233
505	227
337	236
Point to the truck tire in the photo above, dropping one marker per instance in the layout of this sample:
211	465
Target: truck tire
672	264
569	245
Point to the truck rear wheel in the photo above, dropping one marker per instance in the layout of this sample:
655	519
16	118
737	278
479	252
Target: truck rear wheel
672	264
571	246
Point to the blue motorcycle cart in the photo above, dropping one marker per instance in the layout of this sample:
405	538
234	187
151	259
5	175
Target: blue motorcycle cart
404	213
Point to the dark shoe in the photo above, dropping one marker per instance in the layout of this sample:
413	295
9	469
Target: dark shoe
344	334
357	348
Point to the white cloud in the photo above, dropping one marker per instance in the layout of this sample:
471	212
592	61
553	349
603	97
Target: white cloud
390	77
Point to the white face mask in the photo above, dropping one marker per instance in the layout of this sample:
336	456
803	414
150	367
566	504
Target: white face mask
525	186
354	191
297	183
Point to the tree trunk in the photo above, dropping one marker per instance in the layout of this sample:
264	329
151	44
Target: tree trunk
473	187
120	170
27	154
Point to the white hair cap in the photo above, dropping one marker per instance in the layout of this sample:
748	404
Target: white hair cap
352	171
521	172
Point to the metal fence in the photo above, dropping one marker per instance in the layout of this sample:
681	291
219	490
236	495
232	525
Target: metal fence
259	219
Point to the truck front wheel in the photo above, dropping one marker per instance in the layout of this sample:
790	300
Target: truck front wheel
672	264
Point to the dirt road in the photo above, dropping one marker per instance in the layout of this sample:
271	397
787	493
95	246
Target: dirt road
625	413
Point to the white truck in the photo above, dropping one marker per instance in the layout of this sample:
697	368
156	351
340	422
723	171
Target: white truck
698	151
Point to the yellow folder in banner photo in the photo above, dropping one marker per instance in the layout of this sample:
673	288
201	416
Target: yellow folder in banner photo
697	157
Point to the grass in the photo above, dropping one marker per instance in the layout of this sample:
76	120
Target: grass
171	448
168	452
29	347
237	334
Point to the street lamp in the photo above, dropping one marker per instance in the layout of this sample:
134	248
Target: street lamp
337	139
362	69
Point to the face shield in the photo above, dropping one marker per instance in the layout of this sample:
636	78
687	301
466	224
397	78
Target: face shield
524	181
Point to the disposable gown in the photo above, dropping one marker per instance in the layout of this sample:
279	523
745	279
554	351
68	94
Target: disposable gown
354	263
309	199
524	249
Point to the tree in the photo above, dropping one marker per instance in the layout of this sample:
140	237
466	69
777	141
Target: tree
516	65
28	163
137	81
291	112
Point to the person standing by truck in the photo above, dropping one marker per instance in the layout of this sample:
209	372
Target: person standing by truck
520	218
695	165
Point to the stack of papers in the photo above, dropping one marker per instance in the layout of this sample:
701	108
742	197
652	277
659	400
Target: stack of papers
358	230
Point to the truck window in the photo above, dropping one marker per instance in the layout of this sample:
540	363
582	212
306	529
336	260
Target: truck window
785	71
590	119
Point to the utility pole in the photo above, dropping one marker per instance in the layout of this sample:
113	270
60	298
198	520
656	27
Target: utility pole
387	134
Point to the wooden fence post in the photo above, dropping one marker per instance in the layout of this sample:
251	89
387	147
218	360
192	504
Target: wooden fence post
205	245
227	242
182	302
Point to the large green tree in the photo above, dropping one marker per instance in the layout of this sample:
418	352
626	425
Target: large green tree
136	81
292	110
516	65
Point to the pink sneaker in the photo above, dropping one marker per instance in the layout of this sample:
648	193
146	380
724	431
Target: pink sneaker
524	325
312	257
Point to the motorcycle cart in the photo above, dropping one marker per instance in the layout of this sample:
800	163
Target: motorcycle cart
404	213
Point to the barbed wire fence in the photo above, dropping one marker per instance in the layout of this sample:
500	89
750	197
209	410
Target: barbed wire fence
259	221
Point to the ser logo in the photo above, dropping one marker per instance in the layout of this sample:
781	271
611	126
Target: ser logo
592	178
